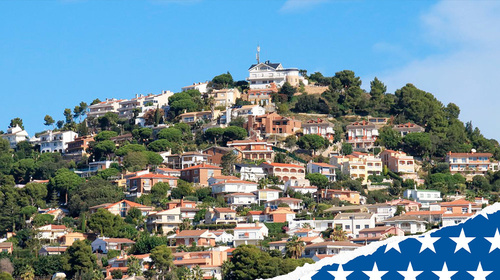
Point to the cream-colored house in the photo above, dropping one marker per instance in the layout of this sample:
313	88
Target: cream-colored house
164	221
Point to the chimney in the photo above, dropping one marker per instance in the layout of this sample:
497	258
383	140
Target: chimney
136	95
177	231
257	224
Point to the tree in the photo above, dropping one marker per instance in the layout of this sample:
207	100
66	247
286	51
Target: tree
93	192
295	247
28	273
288	90
104	149
5	276
105	135
312	142
42	219
135	161
377	89
80	258
48	120
134	267
160	145
162	260
338	234
16	121
170	134
317	179
388	138
346	148
234	133
222	81
213	134
124	150
142	134
116	274
65	181
417	144
227	162
95	101
67	115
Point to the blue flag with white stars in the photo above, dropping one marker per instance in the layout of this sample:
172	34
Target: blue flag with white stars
467	251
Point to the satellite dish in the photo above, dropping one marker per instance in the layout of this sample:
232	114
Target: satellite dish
473	150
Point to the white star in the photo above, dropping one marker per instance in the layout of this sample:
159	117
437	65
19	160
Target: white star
462	241
479	274
410	274
445	274
392	245
495	241
375	274
428	242
340	274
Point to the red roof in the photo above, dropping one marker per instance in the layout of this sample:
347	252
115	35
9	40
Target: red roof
322	164
154	176
268	190
224	210
418	213
255	212
131	203
236	182
275	164
470	154
119	240
186	233
240	194
458	202
168	169
202	166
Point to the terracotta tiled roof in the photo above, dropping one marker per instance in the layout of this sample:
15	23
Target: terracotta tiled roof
334	243
458	202
186	233
224	210
202	166
322	164
235	182
119	240
275	164
268	190
154	176
240	194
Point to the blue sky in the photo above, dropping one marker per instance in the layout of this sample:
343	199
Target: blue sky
54	54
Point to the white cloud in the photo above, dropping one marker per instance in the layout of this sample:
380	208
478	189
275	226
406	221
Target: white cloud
467	69
291	6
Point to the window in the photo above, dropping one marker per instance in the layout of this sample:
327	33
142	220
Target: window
347	227
366	226
358	226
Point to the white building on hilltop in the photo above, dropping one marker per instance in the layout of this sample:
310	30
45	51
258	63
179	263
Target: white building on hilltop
262	74
15	135
51	142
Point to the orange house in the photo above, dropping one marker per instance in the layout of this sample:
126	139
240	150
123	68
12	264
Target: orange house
200	174
272	124
253	149
200	237
460	206
143	183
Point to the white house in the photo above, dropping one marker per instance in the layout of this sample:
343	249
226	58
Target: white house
201	87
329	248
382	211
409	224
249	234
295	204
225	97
221	236
322	168
450	219
267	194
51	232
165	220
317	225
234	186
300	185
107	106
248	110
250	172
240	199
143	103
262	74
15	135
51	142
425	197
352	223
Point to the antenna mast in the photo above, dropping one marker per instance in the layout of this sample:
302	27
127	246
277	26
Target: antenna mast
258	54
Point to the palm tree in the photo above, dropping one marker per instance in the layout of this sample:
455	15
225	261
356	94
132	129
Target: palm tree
294	248
338	234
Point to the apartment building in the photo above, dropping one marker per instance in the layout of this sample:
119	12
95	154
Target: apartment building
294	204
399	162
253	149
193	117
164	221
284	171
262	96
247	110
202	237
470	163
51	142
319	127
263	74
362	135
221	216
267	195
79	146
240	199
225	97
107	106
249	172
358	165
352	223
142	103
272	124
